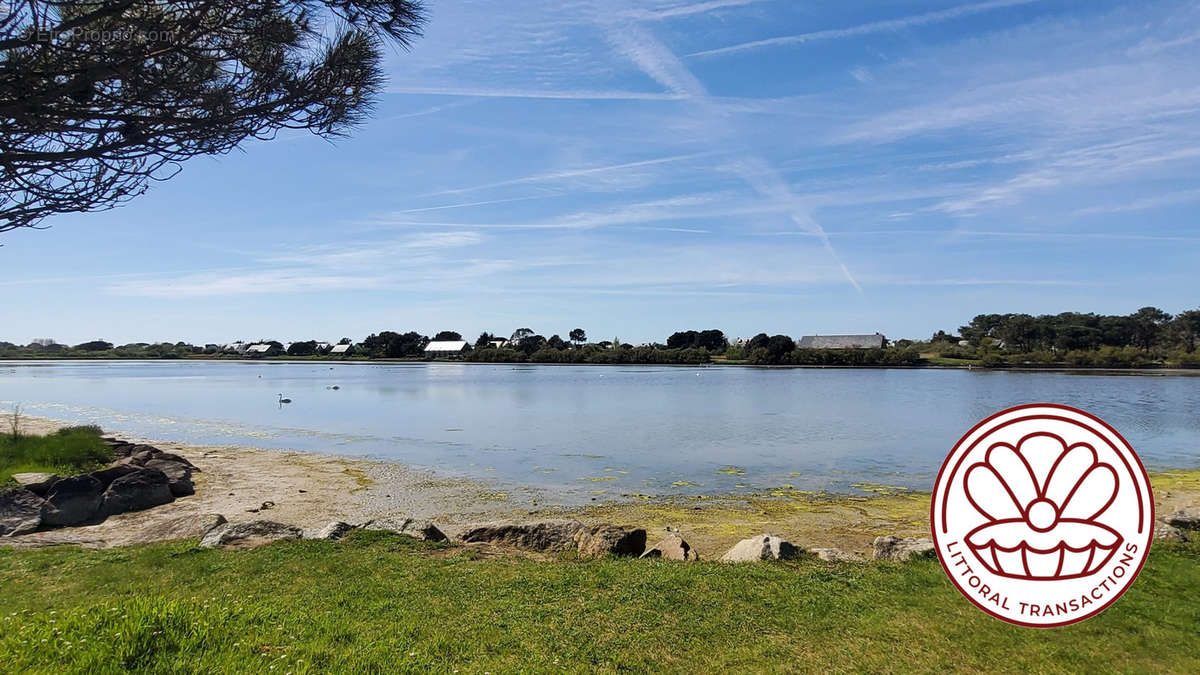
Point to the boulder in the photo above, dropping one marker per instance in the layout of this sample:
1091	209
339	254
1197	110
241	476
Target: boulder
672	547
37	483
1167	532
252	533
417	529
107	476
120	449
1187	518
546	536
20	512
605	540
142	489
335	530
836	555
179	475
899	548
762	547
181	527
143	453
72	500
168	457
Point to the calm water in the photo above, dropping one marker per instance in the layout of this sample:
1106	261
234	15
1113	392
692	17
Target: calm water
580	431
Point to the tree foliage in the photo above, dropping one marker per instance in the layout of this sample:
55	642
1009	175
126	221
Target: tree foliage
101	97
712	340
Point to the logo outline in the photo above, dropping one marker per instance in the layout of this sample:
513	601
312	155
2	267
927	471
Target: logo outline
1136	471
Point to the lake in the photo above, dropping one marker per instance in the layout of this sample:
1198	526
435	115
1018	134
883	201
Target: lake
601	431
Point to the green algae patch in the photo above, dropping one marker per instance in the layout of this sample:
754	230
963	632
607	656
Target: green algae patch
712	524
732	471
1180	480
361	480
880	489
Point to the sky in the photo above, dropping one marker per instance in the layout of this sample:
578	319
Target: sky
638	168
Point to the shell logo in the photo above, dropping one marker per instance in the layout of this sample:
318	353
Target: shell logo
1042	515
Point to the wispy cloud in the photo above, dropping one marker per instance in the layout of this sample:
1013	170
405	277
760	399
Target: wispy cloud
1143	204
661	64
557	95
685	9
464	205
552	176
867	28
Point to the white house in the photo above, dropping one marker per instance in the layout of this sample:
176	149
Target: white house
446	347
261	348
340	349
498	343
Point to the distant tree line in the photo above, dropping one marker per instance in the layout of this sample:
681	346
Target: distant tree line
1146	338
1149	336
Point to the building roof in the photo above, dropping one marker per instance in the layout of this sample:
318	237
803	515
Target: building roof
339	349
874	341
259	348
446	346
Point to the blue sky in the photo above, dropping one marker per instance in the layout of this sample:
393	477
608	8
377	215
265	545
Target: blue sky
644	167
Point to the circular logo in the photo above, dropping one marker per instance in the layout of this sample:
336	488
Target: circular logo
1042	515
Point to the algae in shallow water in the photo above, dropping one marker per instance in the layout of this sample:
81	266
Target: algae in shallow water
732	471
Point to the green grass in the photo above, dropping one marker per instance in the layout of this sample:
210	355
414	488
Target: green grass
384	603
70	450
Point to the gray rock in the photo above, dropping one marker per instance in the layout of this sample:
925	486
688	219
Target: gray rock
142	489
143	453
168	457
418	529
72	500
181	527
547	536
251	533
1187	518
899	548
37	483
672	547
120	449
20	512
835	555
604	540
107	476
179	475
762	547
335	530
1168	533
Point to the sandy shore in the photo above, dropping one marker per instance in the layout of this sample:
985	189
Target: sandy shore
310	490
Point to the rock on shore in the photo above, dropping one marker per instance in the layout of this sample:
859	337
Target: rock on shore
672	547
762	547
20	511
899	548
248	534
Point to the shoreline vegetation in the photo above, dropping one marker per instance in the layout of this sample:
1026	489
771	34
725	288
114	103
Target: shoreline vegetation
1149	339
311	489
384	601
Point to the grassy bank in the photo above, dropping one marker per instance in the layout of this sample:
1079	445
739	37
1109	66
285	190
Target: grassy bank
383	603
69	450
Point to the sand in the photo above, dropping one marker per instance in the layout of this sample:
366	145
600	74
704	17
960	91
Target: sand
310	490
